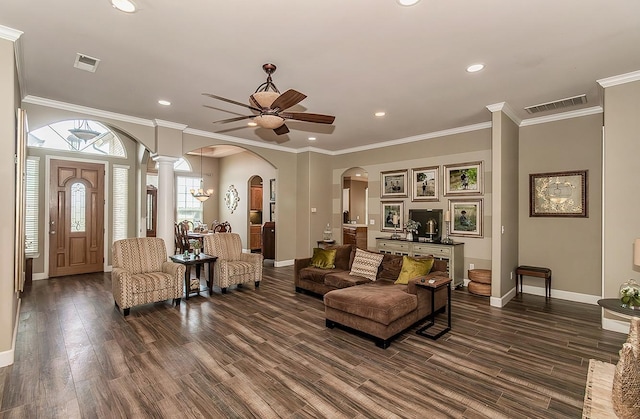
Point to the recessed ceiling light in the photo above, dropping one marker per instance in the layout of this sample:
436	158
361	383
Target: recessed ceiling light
407	2
312	138
379	114
124	5
358	174
164	102
252	124
475	67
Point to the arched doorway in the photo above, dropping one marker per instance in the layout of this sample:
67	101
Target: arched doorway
355	206
256	211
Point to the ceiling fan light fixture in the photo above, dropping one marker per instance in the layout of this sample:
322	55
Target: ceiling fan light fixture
126	6
269	121
265	99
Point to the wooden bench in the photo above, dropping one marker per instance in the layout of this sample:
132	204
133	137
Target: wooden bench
537	272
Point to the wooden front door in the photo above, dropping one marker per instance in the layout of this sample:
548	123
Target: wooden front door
76	208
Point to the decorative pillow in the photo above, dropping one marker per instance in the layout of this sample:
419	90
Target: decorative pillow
323	258
625	392
365	264
412	267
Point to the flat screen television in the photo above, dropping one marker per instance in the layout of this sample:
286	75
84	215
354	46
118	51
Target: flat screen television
423	216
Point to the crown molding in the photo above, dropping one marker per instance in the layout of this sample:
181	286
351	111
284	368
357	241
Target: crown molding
620	79
415	138
10	34
235	140
506	109
169	124
560	116
35	100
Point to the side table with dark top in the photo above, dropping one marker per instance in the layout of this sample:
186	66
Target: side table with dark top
615	305
196	261
324	243
434	287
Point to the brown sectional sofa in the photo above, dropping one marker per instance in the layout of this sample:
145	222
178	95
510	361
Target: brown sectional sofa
378	308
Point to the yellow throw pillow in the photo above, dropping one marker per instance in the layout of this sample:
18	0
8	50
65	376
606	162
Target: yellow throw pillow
413	267
323	258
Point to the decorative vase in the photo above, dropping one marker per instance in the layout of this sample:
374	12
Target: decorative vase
630	294
409	236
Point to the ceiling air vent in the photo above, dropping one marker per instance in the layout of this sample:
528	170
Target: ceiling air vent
557	104
86	63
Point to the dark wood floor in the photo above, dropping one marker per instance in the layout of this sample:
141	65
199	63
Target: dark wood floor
266	353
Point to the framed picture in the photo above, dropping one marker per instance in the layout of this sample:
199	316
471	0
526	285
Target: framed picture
392	215
272	190
466	217
393	184
558	194
272	211
424	184
463	179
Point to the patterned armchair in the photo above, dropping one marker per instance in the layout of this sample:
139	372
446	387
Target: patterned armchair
233	266
142	274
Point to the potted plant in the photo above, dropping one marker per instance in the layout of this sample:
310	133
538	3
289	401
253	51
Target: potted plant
412	228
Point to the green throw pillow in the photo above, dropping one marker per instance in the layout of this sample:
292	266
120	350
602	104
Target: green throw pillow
323	258
413	267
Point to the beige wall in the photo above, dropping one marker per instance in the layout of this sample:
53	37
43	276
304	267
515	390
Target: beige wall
458	148
504	207
8	107
237	170
622	193
570	247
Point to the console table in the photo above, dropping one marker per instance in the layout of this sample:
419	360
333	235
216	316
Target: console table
453	253
615	305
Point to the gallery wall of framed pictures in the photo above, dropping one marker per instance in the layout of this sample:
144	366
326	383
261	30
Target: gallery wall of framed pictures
462	183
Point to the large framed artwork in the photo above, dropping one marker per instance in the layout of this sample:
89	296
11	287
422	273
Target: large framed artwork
393	184
463	179
466	217
424	184
559	194
391	214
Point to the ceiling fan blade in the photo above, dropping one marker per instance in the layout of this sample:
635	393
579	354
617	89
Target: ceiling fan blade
287	100
224	99
238	118
281	130
308	117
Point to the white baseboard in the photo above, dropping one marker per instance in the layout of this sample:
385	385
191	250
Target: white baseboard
7	357
615	325
39	276
502	301
562	295
281	263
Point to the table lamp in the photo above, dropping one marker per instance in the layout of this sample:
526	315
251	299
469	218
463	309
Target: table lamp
447	220
395	219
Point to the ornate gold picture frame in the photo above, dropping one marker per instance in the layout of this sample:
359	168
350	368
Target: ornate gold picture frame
559	194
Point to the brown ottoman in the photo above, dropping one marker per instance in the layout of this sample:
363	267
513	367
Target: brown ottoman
480	282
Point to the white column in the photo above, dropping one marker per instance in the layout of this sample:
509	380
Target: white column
166	194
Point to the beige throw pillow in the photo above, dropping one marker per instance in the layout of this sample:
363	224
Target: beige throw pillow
365	264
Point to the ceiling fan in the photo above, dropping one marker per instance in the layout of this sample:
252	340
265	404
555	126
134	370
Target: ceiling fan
269	106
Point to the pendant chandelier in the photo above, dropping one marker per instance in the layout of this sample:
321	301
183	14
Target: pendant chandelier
200	194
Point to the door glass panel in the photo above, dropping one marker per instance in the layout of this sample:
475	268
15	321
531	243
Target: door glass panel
78	205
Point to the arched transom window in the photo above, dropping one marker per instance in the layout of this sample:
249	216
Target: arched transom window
81	136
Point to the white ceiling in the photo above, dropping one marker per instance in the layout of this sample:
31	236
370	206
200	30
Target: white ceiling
351	58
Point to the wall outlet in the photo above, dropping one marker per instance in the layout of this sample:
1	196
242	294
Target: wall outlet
372	222
471	266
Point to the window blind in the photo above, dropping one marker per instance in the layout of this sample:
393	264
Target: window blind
31	208
120	201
